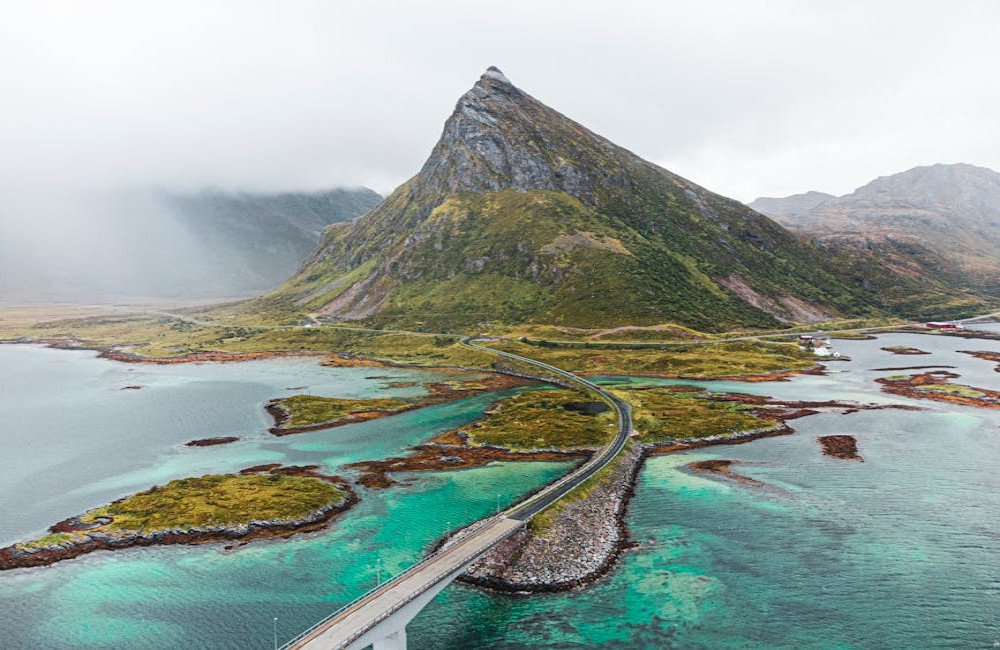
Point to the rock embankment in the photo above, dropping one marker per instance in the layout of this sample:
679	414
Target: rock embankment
580	544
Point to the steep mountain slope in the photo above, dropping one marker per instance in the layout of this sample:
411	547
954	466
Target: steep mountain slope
942	220
521	214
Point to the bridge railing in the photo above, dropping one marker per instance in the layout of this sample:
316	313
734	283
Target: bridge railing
414	594
464	533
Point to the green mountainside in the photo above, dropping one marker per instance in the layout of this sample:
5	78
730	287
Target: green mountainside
522	215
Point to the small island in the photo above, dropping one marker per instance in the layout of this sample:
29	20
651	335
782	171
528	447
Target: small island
209	442
904	350
985	356
936	385
723	467
840	446
209	508
302	413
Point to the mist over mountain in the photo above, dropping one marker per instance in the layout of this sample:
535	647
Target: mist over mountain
942	220
141	245
521	214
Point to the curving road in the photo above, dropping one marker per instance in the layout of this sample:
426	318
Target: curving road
556	491
346	627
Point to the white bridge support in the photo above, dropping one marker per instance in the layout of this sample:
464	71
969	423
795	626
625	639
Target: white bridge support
390	634
379	618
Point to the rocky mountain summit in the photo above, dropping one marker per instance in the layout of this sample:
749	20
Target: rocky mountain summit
938	220
522	215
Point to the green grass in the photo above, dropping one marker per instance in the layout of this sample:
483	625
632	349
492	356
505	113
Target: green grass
219	499
51	540
954	389
306	410
538	419
663	416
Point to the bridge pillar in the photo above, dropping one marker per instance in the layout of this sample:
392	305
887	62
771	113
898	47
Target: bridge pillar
392	641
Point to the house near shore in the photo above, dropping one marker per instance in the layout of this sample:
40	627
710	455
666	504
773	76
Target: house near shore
942	326
819	347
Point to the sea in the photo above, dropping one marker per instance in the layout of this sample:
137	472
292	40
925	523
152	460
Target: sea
899	551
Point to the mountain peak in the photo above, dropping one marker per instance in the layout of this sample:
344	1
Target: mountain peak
493	73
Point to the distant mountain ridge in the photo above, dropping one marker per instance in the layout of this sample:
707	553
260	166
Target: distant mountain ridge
522	215
940	219
260	238
145	245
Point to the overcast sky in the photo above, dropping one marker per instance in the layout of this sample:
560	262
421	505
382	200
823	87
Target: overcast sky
746	98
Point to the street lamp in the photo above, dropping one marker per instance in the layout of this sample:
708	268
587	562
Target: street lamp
378	572
498	504
275	626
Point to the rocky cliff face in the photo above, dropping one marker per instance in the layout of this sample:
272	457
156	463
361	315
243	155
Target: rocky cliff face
521	214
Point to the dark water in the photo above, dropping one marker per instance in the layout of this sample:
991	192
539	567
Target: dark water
900	551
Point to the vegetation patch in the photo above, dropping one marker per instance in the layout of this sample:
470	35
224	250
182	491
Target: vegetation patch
663	415
307	412
541	419
218	500
745	360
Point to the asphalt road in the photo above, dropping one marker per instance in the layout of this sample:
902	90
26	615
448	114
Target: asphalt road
559	489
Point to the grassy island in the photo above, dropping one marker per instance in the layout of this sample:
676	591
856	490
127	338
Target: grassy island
307	411
218	500
664	415
936	385
544	419
301	413
192	510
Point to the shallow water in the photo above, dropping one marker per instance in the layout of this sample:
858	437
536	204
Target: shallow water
899	551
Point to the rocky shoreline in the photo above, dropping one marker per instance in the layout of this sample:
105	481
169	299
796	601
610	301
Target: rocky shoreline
582	544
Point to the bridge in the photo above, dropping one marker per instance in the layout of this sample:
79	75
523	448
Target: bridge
379	617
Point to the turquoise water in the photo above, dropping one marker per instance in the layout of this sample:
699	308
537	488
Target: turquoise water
75	440
900	551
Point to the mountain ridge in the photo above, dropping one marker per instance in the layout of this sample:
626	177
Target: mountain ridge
941	219
521	214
